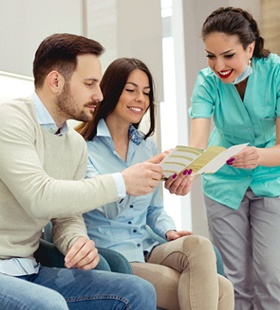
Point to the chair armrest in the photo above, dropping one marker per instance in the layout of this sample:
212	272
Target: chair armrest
109	259
219	262
48	255
117	261
155	236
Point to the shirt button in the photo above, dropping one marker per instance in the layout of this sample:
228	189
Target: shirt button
134	230
131	206
129	222
138	244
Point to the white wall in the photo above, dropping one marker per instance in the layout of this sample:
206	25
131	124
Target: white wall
129	28
24	24
14	86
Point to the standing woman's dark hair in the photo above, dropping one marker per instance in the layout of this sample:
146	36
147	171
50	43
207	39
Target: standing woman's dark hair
112	85
235	21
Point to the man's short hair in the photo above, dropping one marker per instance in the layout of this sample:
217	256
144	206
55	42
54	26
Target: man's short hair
59	52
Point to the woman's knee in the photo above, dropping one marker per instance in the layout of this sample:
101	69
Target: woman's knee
194	250
198	245
226	293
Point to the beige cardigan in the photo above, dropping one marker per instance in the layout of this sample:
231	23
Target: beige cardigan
42	177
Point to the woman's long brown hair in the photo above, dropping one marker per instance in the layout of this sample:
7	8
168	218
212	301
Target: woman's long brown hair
112	85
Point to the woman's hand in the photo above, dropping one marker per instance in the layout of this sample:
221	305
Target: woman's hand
179	184
173	234
248	158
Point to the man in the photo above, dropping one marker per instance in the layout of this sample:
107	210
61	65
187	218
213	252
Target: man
42	169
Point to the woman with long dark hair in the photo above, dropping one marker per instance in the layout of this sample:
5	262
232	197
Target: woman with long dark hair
241	90
183	270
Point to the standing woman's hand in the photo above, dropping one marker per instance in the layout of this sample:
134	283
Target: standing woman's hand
248	158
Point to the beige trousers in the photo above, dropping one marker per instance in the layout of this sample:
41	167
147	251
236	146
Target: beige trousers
185	277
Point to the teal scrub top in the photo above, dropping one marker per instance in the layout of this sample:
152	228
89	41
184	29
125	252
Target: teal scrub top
236	121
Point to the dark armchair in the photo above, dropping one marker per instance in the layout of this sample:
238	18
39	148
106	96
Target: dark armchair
48	255
110	260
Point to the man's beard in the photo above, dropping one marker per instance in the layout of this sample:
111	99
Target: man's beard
66	104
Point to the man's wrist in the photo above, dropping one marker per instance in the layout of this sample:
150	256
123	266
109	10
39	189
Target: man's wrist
120	184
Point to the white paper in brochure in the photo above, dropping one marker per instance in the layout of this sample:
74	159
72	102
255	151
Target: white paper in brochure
221	159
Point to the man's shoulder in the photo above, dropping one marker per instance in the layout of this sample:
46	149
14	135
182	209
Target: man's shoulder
16	110
20	104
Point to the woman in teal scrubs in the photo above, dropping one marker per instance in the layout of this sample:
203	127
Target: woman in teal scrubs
240	90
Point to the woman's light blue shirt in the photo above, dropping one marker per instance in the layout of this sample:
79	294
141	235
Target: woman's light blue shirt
122	225
252	120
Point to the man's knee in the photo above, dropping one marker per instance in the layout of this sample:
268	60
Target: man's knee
143	292
143	286
50	300
58	303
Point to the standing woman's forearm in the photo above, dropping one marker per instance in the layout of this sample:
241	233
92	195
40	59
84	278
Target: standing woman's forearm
200	130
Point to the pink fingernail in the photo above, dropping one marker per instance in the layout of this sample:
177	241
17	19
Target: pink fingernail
185	172
174	176
230	161
190	171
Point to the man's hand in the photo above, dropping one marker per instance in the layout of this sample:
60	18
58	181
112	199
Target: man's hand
82	255
159	157
179	184
142	178
173	235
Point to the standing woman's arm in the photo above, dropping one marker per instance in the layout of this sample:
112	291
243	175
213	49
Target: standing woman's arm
251	156
200	131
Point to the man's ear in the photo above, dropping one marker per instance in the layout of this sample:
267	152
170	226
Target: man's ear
55	81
